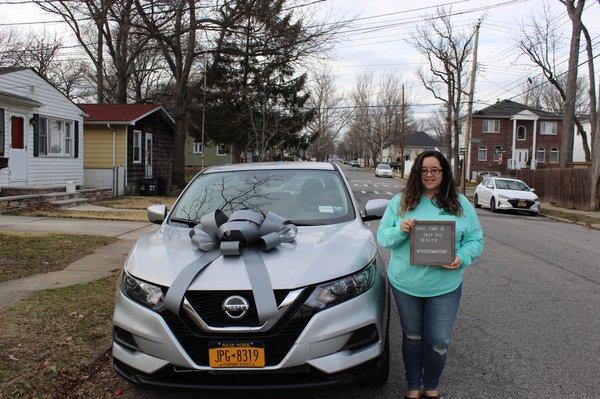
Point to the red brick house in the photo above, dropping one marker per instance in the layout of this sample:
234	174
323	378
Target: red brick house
511	135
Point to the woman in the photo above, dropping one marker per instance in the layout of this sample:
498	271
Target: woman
428	296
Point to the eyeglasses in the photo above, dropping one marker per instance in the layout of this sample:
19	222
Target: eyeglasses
433	171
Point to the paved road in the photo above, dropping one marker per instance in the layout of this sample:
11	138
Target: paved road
529	323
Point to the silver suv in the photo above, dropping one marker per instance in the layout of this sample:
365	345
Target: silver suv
330	324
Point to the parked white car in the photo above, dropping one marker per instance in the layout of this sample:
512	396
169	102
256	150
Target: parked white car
384	170
506	194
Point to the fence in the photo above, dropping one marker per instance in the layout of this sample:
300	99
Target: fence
567	188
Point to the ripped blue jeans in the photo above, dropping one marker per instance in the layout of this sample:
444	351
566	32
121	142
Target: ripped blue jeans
426	331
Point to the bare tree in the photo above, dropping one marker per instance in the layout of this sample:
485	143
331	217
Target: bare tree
173	24
37	51
540	40
7	37
330	118
446	52
88	20
574	9
147	74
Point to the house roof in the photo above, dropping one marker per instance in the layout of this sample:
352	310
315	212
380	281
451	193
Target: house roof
419	139
4	70
19	99
508	108
121	113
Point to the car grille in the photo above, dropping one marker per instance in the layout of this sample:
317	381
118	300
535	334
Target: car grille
515	203
277	341
208	306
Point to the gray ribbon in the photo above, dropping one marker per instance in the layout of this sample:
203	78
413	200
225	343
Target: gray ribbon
245	233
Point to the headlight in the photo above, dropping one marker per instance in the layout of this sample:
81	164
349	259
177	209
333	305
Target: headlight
145	293
338	291
502	196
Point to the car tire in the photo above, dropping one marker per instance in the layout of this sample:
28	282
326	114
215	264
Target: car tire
533	213
379	376
476	201
493	205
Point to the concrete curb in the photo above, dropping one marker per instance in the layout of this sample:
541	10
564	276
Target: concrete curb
592	227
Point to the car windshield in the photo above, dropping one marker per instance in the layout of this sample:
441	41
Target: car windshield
511	185
306	197
383	166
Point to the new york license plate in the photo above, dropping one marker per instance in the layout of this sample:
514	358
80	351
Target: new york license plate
522	204
236	354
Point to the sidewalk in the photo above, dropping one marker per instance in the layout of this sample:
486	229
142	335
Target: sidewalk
110	228
91	267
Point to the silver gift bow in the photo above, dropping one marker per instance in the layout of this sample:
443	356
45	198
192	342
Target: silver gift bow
244	233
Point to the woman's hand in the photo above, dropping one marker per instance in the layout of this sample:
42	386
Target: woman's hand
453	265
407	225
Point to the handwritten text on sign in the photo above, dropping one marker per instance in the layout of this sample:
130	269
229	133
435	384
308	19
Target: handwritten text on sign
432	243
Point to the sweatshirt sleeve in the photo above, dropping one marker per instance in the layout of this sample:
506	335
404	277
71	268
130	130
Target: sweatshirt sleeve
389	234
471	244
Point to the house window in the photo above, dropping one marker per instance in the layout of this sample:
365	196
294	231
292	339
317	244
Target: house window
554	155
549	128
482	153
68	138
137	146
541	154
55	137
223	149
197	148
491	126
497	152
521	133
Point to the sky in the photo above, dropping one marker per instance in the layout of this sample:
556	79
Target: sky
375	41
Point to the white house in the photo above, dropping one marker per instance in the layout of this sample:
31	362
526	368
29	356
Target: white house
578	153
41	132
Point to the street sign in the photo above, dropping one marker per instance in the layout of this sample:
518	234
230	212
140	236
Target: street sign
463	150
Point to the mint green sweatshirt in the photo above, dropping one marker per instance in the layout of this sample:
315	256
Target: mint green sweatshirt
428	281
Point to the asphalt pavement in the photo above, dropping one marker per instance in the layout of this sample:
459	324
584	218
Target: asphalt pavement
529	322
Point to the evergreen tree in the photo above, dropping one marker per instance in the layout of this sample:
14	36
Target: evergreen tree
255	97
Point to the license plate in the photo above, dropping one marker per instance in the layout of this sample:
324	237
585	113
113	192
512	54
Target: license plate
236	354
522	204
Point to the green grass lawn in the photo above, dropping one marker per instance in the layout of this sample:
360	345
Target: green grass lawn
48	342
26	254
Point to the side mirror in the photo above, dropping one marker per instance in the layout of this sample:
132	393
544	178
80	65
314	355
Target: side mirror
374	209
532	190
157	213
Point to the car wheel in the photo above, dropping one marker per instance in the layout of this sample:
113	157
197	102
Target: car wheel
379	376
476	201
533	213
493	204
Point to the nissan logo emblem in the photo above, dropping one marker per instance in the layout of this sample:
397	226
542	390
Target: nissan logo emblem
235	307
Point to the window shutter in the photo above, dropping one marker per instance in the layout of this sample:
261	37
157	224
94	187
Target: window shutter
76	140
2	132
36	135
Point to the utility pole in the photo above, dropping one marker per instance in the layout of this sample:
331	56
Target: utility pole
203	111
402	117
467	156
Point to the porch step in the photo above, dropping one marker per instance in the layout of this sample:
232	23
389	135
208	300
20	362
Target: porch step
68	202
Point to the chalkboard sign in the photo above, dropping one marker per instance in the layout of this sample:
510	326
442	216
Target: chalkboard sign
432	243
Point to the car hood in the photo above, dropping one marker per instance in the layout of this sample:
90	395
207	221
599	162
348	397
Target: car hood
319	253
517	194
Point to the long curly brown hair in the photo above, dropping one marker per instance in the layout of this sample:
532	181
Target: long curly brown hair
446	197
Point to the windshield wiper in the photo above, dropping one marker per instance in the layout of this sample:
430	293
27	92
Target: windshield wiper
190	223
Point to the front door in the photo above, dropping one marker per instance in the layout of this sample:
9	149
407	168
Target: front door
148	158
17	157
521	156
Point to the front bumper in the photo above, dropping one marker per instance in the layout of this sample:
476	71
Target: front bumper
513	204
163	355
